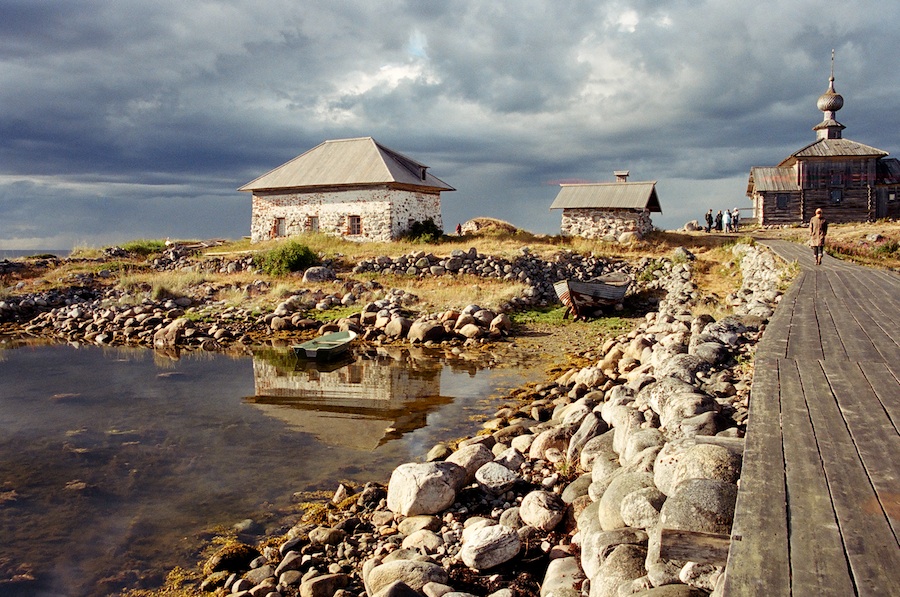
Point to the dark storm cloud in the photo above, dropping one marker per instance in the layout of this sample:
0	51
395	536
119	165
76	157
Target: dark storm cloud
139	119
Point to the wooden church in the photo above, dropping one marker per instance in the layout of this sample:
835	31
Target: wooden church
850	181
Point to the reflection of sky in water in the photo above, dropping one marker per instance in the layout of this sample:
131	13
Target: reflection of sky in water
109	458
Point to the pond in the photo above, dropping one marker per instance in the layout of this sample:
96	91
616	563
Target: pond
115	463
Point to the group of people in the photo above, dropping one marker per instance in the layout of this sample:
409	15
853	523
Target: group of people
727	221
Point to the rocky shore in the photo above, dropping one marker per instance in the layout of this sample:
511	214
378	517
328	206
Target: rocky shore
92	310
567	489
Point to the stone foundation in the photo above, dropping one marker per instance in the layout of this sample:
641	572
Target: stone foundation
384	214
593	223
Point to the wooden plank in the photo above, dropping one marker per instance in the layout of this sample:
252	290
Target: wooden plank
886	387
873	434
869	542
832	347
693	546
818	563
775	338
878	293
758	556
876	324
856	343
804	340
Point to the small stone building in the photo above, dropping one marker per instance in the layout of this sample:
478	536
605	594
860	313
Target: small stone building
607	210
354	188
850	181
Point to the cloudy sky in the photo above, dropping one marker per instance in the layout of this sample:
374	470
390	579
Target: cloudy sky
122	119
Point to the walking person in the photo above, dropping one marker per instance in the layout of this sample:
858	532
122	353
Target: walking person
709	221
719	221
818	228
726	220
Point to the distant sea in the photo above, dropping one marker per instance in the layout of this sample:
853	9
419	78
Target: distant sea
13	253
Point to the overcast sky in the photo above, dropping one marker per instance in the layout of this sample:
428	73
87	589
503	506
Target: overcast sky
123	119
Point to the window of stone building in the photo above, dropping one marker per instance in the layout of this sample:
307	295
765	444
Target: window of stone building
278	229
354	225
312	223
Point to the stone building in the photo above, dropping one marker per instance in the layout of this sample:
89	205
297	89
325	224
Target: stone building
850	181
354	188
607	210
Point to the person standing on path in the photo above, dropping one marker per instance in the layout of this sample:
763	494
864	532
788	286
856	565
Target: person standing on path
818	228
726	220
719	221
709	221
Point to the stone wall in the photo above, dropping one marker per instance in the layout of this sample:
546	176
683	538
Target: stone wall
384	213
595	223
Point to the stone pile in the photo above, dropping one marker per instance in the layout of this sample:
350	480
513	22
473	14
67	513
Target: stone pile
762	277
565	491
91	312
536	273
391	319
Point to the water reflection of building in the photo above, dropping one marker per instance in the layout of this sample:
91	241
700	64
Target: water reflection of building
358	404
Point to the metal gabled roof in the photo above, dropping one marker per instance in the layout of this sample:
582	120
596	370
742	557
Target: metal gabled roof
348	162
608	195
773	179
828	148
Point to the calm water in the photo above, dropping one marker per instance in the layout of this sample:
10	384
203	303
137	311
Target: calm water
13	254
114	461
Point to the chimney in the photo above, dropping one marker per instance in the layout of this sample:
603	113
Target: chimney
621	175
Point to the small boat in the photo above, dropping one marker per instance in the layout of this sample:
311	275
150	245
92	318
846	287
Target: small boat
327	346
583	298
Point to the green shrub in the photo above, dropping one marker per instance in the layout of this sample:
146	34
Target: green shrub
887	249
145	247
288	257
424	232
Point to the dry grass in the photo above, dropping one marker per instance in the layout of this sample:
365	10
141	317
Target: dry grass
851	241
436	294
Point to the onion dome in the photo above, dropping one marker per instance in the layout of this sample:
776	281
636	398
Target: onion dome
830	101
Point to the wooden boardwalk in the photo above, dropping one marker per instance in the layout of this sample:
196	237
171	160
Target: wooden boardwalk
818	511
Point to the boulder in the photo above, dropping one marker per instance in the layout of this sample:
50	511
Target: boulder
563	578
591	426
702	505
708	461
423	540
625	563
598	454
325	585
611	502
400	589
426	331
671	591
319	273
471	458
595	546
495	479
413	573
553	438
490	546
398	327
641	508
542	510
425	488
